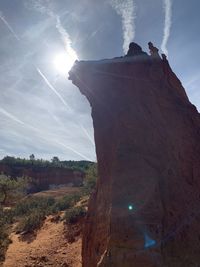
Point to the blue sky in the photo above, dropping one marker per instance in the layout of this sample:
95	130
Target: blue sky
41	112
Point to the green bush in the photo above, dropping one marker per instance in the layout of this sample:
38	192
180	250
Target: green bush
74	214
26	206
90	179
31	222
5	218
10	187
65	202
30	212
4	242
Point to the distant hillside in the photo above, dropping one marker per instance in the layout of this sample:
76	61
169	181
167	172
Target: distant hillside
81	165
45	174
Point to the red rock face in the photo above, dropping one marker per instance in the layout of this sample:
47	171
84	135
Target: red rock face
145	211
43	177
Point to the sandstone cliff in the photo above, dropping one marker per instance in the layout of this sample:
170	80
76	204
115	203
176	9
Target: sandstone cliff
44	177
145	211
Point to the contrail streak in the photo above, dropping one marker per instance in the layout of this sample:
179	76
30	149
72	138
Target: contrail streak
64	102
73	150
66	40
63	33
53	89
12	117
127	11
69	50
15	119
50	140
87	134
8	26
167	5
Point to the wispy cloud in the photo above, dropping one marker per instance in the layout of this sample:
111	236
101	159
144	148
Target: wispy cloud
65	104
127	11
75	151
87	134
52	88
66	39
27	98
10	116
44	8
167	5
43	135
8	26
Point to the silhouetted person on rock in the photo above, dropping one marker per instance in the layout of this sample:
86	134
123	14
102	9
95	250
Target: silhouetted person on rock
164	57
153	50
135	50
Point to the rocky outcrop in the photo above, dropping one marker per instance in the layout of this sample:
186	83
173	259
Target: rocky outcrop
145	210
44	177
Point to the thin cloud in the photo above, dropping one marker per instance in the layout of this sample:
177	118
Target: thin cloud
66	39
87	134
127	11
40	6
42	134
22	92
167	5
75	151
8	26
10	116
65	103
52	88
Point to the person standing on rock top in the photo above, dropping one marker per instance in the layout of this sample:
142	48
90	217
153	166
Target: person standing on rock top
153	50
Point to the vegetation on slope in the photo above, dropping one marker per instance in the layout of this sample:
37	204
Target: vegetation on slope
11	188
82	165
29	212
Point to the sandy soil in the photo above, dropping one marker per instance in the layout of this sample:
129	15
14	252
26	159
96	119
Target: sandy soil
58	192
48	248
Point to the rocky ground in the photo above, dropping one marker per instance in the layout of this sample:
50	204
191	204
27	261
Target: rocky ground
49	247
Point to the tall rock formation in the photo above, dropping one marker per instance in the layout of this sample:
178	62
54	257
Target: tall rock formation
145	211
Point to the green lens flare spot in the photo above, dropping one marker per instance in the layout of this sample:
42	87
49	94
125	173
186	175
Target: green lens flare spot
130	207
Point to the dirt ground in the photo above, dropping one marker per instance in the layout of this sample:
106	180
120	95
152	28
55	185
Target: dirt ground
48	248
58	192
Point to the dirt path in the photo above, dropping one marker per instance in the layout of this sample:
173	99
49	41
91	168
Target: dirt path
49	248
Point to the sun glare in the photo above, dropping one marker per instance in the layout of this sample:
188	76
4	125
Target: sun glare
63	62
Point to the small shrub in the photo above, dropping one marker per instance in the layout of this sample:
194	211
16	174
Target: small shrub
90	179
31	222
4	236
74	214
32	212
26	206
4	242
66	202
9	187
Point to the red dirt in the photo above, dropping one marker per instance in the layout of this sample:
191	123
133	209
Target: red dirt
48	248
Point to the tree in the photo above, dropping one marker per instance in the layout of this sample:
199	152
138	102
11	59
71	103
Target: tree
9	186
91	178
9	160
55	160
32	157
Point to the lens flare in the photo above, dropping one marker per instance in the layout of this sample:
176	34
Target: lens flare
130	207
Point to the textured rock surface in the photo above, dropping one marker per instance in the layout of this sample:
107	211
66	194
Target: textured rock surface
146	209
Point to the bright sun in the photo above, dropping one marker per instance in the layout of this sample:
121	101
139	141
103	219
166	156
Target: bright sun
63	62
